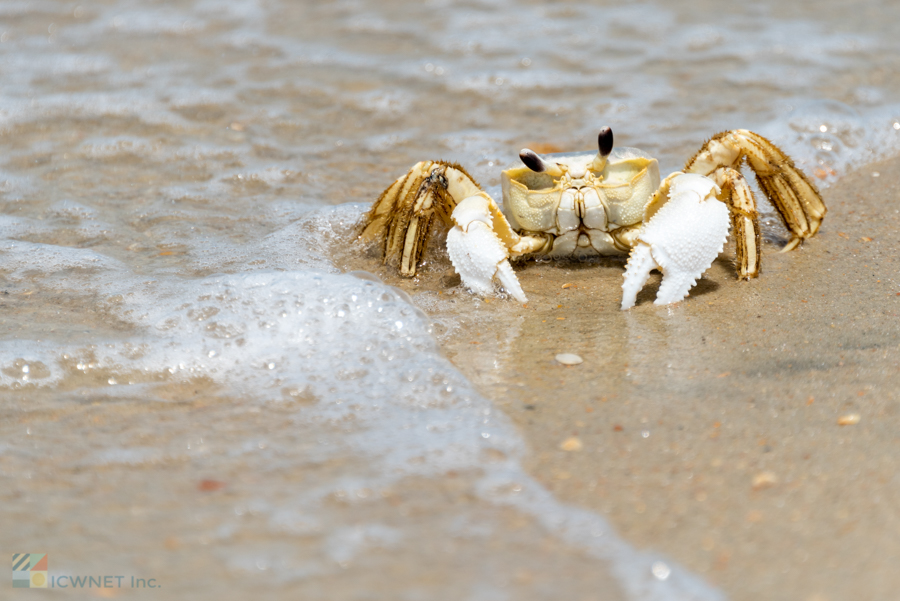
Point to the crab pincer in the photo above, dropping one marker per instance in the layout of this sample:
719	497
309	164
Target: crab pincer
681	238
476	250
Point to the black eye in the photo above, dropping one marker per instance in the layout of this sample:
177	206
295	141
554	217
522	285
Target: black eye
532	160
605	141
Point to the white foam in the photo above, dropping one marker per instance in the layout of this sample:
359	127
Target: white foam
828	139
28	260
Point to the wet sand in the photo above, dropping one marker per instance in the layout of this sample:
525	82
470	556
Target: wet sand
709	430
204	524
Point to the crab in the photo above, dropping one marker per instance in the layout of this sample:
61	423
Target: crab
609	202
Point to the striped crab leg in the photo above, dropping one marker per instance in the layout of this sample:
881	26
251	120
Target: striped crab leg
793	195
480	240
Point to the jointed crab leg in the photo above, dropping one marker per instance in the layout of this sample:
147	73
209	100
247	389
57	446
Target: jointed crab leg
795	198
404	213
481	239
736	193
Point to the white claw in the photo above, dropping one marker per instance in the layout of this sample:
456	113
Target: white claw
508	279
682	239
640	264
476	251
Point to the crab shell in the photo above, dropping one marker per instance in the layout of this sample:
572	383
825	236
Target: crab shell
585	209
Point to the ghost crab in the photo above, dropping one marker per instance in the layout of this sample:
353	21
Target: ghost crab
609	202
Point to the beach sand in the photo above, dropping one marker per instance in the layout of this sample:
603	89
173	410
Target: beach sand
707	431
710	430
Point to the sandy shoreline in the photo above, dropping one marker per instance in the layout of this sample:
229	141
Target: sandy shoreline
709	430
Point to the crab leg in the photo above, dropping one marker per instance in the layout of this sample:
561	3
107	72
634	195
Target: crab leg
794	197
682	238
480	240
404	213
736	193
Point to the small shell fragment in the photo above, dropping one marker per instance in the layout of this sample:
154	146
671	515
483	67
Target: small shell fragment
573	443
851	419
764	480
569	359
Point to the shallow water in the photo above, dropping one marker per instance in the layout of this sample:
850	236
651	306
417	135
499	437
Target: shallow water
191	381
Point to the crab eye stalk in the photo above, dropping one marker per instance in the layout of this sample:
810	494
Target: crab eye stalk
605	144
538	164
605	141
532	160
